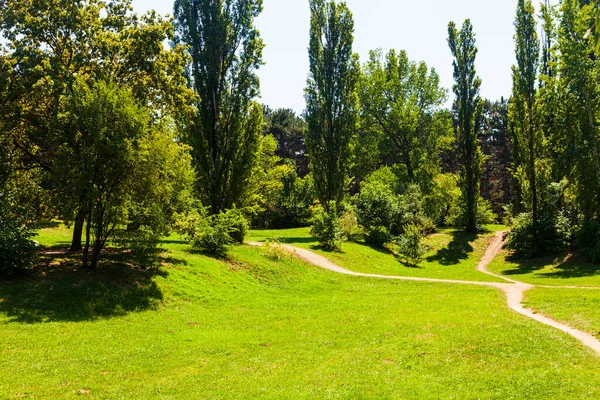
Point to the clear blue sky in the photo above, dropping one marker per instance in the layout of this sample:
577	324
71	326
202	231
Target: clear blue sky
419	27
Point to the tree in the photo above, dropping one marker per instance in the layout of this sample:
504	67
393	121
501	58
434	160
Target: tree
403	100
469	108
129	173
226	50
331	98
53	43
576	133
288	129
522	116
496	146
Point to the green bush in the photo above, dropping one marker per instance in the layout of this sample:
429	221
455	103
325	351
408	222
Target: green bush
326	227
411	210
17	251
212	235
349	225
550	235
588	240
273	249
376	210
457	216
410	244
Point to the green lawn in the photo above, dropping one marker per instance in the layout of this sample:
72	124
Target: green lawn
251	328
552	271
453	255
579	308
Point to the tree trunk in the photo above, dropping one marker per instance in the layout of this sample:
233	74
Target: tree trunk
76	244
86	250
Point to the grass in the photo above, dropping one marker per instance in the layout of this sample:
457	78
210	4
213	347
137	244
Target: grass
564	270
249	327
453	254
579	308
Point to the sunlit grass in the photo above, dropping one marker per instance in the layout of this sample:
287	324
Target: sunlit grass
249	327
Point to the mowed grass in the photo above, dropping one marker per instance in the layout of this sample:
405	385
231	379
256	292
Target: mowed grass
453	254
249	327
579	308
563	270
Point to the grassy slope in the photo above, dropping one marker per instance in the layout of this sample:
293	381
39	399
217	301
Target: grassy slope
453	255
551	271
252	328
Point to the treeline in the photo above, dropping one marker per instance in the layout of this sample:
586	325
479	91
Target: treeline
105	128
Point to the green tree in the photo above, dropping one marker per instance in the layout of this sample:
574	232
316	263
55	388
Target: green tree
226	50
53	43
522	114
129	173
403	100
288	129
576	135
331	98
469	109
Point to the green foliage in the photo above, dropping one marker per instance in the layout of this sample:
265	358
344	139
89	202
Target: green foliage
288	130
376	210
551	234
411	211
326	227
410	244
273	249
457	216
402	100
17	251
331	98
226	50
349	225
469	109
213	234
523	116
588	240
444	196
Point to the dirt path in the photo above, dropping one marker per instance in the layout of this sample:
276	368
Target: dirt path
514	290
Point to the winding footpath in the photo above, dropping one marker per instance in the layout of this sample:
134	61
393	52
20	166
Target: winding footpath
514	290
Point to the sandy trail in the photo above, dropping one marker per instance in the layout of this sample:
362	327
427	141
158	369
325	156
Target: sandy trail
514	290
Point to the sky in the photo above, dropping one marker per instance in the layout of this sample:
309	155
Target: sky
419	27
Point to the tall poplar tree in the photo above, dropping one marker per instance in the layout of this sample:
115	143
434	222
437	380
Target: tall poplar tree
469	110
226	51
576	138
331	97
522	117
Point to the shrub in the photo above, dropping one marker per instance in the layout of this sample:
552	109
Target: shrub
238	224
411	210
273	249
410	244
17	251
326	227
444	195
376	209
457	216
550	235
213	234
350	226
588	240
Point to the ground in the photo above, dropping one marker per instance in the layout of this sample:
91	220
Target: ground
252	327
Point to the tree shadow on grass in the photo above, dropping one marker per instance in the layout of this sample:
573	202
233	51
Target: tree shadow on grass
457	250
58	290
565	266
